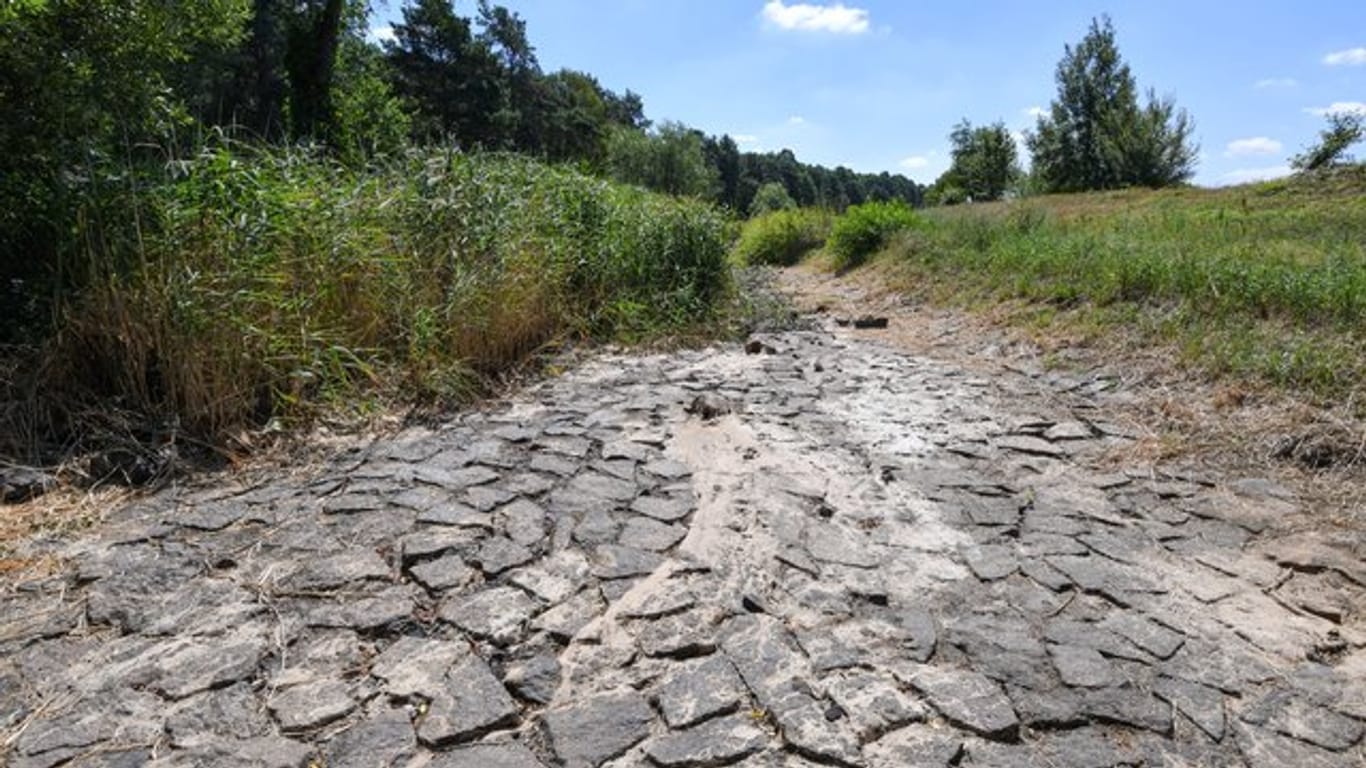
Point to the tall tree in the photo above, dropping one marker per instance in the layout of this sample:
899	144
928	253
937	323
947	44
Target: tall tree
311	60
1344	129
1096	136
983	164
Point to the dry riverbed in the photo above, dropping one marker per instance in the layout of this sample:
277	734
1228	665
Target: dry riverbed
832	547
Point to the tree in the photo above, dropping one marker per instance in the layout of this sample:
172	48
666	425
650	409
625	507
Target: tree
984	163
771	197
451	79
1344	129
667	159
311	60
1096	136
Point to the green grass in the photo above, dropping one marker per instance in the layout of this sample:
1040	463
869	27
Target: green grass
261	285
781	238
1266	281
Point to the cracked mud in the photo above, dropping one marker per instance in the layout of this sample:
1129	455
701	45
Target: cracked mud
862	558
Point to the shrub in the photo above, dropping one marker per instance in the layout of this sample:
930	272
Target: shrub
771	197
272	282
782	238
864	230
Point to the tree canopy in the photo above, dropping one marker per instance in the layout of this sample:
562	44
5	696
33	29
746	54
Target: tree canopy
984	164
1096	135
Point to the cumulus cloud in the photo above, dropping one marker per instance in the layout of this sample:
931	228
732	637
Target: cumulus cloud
1352	57
1257	145
839	18
745	138
1249	175
1276	82
915	162
1036	111
796	120
1339	107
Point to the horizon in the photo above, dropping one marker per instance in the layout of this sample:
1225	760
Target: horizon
877	86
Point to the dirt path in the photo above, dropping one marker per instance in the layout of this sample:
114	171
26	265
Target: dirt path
878	557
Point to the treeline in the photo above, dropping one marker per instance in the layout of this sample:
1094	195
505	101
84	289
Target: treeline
93	93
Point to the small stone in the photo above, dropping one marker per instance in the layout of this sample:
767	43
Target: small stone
1068	430
1082	667
524	522
471	704
336	571
415	666
385	739
598	728
701	690
449	572
1034	446
565	620
499	554
870	322
502	755
714	743
617	562
497	615
308	706
664	508
190	666
969	700
668	469
709	406
652	535
535	679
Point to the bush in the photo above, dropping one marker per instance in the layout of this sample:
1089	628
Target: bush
771	197
271	283
782	238
864	230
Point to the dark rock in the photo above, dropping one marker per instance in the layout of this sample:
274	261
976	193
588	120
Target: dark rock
651	535
715	743
449	572
535	679
385	739
870	322
415	666
24	483
617	562
308	706
969	700
498	554
470	704
336	571
1082	667
508	754
498	615
709	406
664	508
599	728
699	691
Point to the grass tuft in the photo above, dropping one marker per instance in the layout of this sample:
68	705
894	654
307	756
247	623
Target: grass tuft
781	238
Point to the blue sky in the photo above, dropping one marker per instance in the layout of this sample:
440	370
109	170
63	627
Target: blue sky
877	84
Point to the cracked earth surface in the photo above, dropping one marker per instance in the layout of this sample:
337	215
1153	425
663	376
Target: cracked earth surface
874	559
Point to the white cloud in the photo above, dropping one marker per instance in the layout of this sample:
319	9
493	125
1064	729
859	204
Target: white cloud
1276	82
1339	107
1036	112
838	18
1257	145
382	34
1249	175
1352	57
745	138
915	162
796	120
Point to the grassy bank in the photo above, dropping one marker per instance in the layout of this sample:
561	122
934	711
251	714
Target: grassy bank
248	285
1265	281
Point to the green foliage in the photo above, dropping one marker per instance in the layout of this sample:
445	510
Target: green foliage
865	229
984	165
771	197
1096	135
1344	130
269	283
782	237
668	159
1267	280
